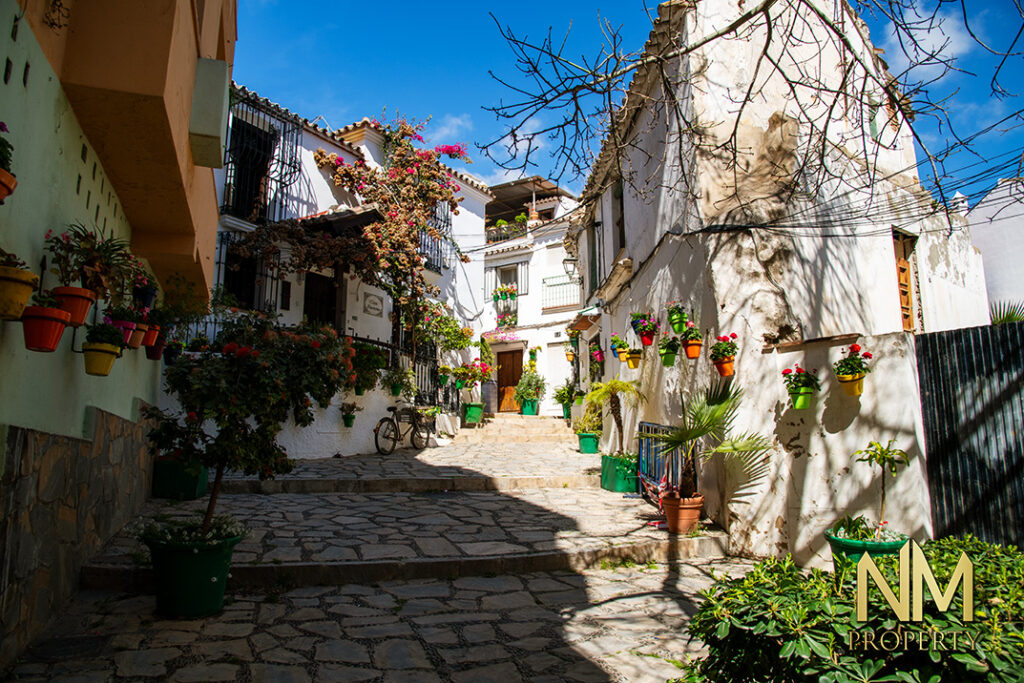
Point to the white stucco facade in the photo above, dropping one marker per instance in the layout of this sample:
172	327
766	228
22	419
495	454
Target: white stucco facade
997	225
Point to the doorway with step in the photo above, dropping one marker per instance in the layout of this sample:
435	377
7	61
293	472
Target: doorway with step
510	369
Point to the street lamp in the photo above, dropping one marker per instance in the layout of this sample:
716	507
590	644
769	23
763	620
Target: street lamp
569	264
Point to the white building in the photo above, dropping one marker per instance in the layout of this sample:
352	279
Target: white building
997	226
270	175
529	254
790	272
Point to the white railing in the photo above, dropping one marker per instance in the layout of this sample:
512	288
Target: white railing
560	290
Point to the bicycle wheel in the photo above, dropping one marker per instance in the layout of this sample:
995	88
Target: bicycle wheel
385	436
419	436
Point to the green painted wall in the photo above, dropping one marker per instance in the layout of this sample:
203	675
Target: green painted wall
50	392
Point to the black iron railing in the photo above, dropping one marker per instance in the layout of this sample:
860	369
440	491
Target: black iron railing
505	232
437	252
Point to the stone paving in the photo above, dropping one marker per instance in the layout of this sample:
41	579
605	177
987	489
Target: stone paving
618	624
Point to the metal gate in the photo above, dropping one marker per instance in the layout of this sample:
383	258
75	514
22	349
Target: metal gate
972	399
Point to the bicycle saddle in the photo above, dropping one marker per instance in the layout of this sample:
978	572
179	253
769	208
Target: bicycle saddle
392	409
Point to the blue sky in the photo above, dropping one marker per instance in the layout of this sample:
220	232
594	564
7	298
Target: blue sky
343	61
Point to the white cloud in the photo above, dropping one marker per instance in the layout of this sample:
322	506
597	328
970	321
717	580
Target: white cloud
946	37
450	129
501	175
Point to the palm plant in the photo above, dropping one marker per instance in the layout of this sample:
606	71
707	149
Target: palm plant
613	392
1006	312
705	431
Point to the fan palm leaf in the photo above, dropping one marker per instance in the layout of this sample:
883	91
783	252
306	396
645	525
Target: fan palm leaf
1006	312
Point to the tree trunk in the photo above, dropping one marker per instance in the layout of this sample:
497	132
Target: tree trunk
214	492
616	408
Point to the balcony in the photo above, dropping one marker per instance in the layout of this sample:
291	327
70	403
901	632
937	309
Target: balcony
437	252
560	291
505	232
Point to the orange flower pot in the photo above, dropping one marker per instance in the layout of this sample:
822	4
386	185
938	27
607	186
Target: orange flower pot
692	349
725	366
76	301
137	335
16	287
682	514
43	327
151	334
7	184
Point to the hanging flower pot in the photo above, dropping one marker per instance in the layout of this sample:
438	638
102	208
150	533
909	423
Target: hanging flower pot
575	341
647	338
125	326
99	358
348	420
43	327
442	379
151	336
156	350
801	398
172	352
496	297
16	285
682	514
570	356
623	352
578	399
668	358
633	358
396	389
7	184
512	296
598	355
144	296
725	366
360	391
138	333
533	355
75	300
504	296
692	349
677	321
853	385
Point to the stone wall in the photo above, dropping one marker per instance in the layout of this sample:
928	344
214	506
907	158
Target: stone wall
62	499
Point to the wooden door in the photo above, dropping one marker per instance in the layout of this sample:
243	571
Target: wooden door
903	245
510	369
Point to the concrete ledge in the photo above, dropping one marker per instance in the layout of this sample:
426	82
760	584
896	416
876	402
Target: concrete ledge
408	485
712	544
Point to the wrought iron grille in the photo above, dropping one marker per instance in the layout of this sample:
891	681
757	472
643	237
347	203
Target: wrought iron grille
505	232
651	460
251	282
560	290
262	158
437	252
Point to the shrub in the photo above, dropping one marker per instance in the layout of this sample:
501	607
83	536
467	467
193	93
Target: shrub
531	386
781	624
591	422
102	333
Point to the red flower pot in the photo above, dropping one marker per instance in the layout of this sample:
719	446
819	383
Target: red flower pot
75	300
7	184
647	338
125	326
156	350
43	327
151	335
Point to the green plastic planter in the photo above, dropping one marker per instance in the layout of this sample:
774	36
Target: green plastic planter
348	420
567	410
617	474
190	577
396	389
360	391
849	550
588	442
677	321
578	400
668	359
801	398
529	406
473	412
172	480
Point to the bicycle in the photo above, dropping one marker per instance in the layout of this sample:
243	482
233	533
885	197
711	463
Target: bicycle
388	432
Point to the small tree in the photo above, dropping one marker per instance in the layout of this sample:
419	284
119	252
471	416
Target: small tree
887	458
614	392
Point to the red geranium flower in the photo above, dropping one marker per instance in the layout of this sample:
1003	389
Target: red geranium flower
787	371
732	335
315	344
867	355
230	347
855	347
193	416
799	370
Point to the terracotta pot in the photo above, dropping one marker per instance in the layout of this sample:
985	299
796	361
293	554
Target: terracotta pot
683	514
99	358
151	336
75	300
43	327
137	335
156	350
692	349
853	385
16	287
7	184
725	366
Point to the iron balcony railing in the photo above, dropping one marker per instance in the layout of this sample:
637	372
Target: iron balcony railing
560	290
651	461
505	232
437	252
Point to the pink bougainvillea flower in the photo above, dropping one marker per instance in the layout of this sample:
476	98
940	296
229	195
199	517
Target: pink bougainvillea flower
690	323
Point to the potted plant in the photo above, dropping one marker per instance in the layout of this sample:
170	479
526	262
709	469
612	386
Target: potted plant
619	347
529	390
102	346
618	472
633	358
676	316
588	429
469	374
234	400
65	264
507	320
800	384
43	323
173	350
851	369
144	288
578	398
704	431
850	538
534	350
570	352
16	285
496	294
128	320
443	373
102	263
635	318
401	381
574	337
7	180
155	341
668	347
646	328
563	396
464	377
348	413
723	354
691	339
614	392
595	352
368	362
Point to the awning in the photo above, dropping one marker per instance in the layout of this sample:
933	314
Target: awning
586	319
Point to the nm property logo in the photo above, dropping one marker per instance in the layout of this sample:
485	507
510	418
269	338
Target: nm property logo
908	606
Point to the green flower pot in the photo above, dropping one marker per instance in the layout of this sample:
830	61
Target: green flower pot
190	577
668	358
458	384
617	474
567	410
588	442
846	551
504	296
473	412
677	321
443	379
360	391
348	420
530	406
396	389
496	297
578	400
172	480
801	398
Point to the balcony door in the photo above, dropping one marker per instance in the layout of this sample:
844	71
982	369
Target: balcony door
510	369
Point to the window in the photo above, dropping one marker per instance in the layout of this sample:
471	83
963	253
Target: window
618	218
517	274
320	300
903	246
252	150
286	296
240	280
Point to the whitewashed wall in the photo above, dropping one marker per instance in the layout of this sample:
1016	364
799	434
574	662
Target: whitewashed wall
997	225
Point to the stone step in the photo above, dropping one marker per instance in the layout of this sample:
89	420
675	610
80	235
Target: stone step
335	538
407	484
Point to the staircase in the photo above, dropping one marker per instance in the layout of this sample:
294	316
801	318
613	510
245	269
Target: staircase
514	428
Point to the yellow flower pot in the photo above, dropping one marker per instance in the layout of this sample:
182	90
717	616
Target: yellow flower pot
16	287
99	358
853	385
633	359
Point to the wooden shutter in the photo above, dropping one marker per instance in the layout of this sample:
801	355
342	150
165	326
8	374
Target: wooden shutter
490	282
903	245
523	278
